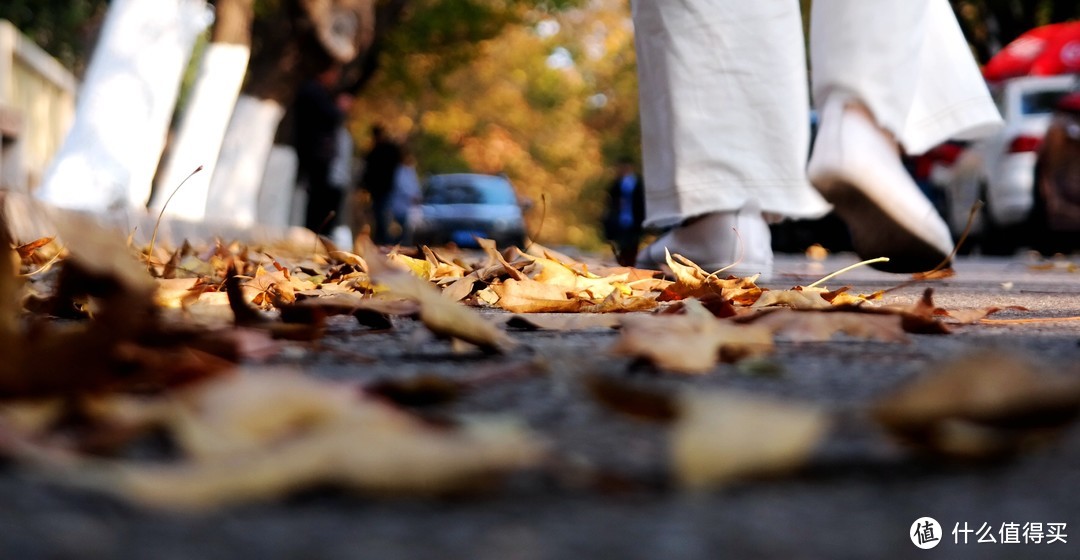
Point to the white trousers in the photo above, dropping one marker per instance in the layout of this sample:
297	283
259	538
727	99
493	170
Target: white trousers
725	100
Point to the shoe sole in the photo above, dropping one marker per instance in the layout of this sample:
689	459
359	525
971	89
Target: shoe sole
875	232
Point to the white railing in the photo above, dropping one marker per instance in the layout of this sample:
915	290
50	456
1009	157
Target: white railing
37	106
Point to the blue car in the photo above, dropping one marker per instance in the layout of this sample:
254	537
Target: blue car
459	207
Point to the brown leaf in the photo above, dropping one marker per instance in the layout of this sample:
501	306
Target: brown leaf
103	253
563	322
26	250
795	298
440	315
821	326
530	296
922	317
972	316
979	406
262	436
691	281
644	403
495	256
690	343
722	437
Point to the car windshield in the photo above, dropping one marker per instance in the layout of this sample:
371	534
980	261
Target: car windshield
1040	102
469	190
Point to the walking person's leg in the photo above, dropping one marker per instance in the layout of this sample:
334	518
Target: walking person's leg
886	76
725	126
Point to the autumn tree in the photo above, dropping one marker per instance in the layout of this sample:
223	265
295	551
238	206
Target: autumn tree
64	28
543	101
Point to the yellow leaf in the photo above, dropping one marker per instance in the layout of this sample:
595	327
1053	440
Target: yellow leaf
722	437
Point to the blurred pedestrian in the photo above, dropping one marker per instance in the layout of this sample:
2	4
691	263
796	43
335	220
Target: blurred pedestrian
380	167
320	118
625	212
405	197
725	127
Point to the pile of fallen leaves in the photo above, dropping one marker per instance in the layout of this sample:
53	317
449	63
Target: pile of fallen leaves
105	343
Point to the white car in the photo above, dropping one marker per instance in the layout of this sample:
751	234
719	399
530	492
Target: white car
1000	169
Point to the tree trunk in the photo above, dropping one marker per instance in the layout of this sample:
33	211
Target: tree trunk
288	47
125	104
202	129
360	71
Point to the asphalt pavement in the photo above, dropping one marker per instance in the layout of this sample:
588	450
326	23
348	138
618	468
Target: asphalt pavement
858	499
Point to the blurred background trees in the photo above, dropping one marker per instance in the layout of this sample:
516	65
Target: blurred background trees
65	28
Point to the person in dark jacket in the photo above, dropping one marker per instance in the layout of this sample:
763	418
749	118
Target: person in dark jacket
380	167
625	213
319	118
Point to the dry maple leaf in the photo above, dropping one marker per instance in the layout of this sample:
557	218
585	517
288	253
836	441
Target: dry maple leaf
821	326
258	436
922	317
720	437
443	317
691	343
795	298
617	302
495	257
530	296
979	406
692	281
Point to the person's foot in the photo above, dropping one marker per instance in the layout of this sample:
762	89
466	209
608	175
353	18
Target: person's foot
856	167
715	241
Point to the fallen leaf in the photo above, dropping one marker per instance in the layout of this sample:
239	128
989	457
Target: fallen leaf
691	281
562	322
972	316
530	296
692	343
721	437
27	250
821	326
262	436
795	298
443	317
639	402
980	406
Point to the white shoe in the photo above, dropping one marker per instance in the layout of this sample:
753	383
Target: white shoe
711	242
857	168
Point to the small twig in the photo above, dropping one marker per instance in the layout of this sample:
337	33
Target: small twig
47	264
960	242
739	258
161	214
849	268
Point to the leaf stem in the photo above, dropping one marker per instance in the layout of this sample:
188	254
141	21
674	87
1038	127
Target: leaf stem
157	224
852	267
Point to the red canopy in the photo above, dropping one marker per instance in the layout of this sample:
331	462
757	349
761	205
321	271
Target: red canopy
1043	51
